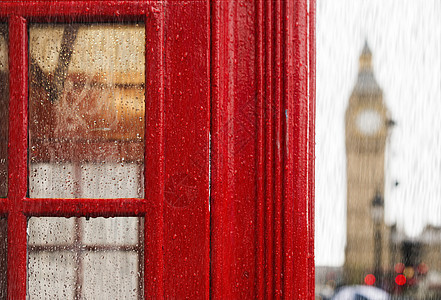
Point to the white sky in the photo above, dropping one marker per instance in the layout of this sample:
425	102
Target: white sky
405	39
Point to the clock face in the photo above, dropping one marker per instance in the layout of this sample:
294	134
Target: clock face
369	121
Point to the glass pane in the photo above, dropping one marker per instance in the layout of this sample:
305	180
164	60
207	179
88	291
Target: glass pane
4	108
378	168
78	258
86	110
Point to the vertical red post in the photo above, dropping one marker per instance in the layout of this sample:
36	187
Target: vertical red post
290	164
269	149
260	159
311	159
278	46
297	182
154	160
220	244
17	151
186	132
278	152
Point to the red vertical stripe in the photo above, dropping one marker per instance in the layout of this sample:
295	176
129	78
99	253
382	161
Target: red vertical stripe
283	180
311	159
289	128
269	151
18	77
221	286
154	155
278	142
296	253
260	207
187	119
237	203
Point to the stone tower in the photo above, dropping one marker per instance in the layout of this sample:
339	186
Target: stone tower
366	128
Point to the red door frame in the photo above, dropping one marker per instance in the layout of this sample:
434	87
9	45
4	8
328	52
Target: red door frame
263	91
249	68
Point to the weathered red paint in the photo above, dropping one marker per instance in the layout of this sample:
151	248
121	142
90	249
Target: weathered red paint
252	60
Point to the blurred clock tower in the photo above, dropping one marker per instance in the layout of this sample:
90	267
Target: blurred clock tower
366	128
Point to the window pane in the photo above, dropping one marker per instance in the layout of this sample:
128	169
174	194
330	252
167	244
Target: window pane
4	108
86	110
78	258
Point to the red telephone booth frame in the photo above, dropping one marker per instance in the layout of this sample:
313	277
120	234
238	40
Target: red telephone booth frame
249	81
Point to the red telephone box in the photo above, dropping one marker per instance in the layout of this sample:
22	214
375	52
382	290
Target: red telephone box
216	119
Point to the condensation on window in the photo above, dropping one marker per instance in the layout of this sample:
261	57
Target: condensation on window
86	110
80	258
86	140
378	167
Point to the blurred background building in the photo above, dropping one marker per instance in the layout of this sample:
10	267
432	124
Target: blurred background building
367	126
404	37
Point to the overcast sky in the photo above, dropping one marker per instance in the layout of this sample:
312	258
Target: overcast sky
405	39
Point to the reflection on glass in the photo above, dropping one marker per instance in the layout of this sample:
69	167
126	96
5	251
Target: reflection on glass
78	258
86	110
378	168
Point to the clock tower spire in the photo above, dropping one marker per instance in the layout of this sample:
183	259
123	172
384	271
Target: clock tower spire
366	132
366	82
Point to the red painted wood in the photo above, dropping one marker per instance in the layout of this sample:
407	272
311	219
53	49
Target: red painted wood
289	163
260	159
81	10
187	124
84	207
154	155
235	179
278	141
64	11
269	149
220	243
296	253
17	169
282	185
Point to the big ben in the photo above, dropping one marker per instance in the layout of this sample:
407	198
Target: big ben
366	129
